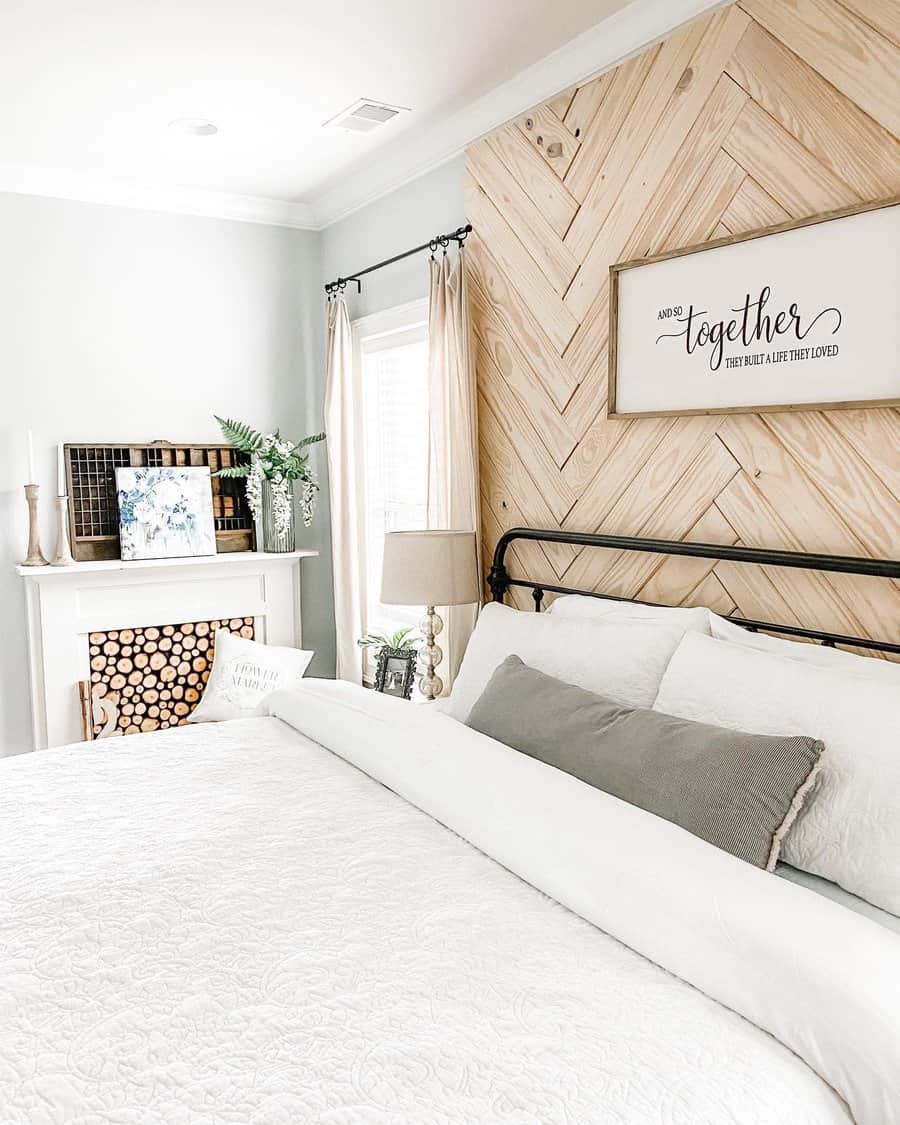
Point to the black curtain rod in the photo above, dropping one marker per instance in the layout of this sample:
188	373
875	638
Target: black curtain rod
340	283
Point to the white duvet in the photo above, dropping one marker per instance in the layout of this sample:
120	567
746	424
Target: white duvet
232	924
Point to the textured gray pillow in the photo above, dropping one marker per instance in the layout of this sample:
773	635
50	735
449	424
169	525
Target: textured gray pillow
739	791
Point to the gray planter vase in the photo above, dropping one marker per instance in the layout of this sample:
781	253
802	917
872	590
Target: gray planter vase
267	537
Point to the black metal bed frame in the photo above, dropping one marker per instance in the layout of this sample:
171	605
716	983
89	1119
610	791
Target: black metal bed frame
500	581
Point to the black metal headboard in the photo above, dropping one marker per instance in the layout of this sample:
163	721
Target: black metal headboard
500	580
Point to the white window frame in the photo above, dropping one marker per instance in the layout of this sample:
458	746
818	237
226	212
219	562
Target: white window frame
389	328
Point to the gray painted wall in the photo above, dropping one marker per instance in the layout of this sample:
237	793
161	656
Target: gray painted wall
430	205
118	324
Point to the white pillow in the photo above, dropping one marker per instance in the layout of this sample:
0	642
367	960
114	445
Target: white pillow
691	619
850	831
243	673
624	661
820	655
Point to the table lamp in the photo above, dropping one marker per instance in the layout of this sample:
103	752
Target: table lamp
430	568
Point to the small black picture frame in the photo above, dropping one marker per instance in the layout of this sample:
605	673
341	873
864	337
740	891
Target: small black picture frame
395	671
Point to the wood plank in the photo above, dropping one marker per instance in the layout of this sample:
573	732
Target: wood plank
523	558
672	514
526	440
513	489
519	323
679	574
550	138
586	359
637	475
783	167
614	474
875	435
759	599
552	198
557	321
800	518
508	362
548	250
752	208
841	474
786	484
631	137
843	139
759	525
708	203
834	41
599	132
883	15
711	594
682	113
559	106
839	603
596	444
585	106
756	597
691	163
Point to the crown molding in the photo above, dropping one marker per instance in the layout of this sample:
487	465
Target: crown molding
607	44
58	183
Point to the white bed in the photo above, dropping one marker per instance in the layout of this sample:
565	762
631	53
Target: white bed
266	921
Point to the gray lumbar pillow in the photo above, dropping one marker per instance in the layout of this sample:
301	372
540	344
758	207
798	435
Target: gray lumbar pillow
739	791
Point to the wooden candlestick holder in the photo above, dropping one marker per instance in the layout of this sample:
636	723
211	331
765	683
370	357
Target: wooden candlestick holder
35	554
63	556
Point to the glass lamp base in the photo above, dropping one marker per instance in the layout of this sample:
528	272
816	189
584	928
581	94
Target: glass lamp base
430	685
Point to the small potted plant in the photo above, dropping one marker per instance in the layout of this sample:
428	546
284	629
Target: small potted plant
275	465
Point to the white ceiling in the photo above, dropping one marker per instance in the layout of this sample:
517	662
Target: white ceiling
87	89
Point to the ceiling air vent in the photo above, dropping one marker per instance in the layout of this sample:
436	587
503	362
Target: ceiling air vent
365	115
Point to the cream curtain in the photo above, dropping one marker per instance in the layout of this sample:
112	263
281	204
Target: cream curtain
346	545
453	494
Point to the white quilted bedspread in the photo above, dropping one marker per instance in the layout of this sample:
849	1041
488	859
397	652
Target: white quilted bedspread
229	924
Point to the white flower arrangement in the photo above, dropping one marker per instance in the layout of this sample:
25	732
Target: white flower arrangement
278	461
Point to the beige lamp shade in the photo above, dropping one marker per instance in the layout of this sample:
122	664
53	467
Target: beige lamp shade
430	568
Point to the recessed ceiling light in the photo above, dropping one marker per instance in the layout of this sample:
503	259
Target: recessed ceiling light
193	127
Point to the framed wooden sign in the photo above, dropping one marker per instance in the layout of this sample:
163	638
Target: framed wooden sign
801	316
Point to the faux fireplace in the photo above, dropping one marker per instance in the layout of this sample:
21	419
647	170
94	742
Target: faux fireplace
121	647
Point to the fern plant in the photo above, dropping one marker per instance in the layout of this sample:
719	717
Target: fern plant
276	460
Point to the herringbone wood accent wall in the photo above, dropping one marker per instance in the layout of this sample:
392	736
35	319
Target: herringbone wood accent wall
763	111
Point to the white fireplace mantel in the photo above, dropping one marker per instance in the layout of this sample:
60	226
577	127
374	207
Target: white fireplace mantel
65	604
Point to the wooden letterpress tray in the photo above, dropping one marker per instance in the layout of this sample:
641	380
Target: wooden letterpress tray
94	511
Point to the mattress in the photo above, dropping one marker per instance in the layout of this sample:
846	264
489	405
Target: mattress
231	923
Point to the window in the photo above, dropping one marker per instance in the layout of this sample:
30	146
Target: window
391	376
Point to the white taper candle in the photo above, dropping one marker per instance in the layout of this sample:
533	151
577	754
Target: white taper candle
30	441
60	470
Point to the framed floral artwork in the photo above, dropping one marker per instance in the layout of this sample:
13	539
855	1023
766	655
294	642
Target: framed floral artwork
165	513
